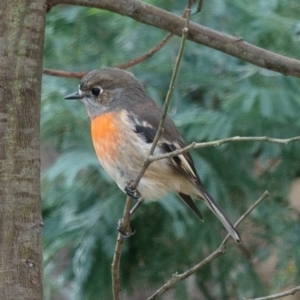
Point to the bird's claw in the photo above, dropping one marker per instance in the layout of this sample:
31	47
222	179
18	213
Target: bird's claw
125	231
132	192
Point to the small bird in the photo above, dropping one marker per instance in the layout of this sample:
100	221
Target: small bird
124	121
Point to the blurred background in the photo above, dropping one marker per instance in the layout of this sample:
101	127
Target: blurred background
216	96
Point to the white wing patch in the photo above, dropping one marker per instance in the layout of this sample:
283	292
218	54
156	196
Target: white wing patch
182	162
186	166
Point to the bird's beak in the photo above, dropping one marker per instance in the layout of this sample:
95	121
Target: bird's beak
74	96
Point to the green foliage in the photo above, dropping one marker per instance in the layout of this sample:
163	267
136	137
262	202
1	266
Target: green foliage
216	96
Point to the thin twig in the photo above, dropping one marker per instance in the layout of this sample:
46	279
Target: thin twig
152	51
279	295
126	65
133	62
147	55
176	278
115	267
125	222
66	74
248	211
165	108
217	143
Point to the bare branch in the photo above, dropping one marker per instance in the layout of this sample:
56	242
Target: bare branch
248	211
146	163
126	65
176	278
155	49
150	53
234	46
279	295
125	222
115	267
217	143
66	74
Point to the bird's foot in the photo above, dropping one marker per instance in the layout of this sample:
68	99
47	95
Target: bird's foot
125	231
132	192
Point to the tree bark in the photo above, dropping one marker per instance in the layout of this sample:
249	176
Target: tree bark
21	47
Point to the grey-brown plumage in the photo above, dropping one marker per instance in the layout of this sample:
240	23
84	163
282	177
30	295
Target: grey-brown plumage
116	101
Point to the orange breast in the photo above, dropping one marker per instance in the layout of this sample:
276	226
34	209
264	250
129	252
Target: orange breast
106	136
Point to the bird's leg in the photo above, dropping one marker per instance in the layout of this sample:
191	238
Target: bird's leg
136	206
125	230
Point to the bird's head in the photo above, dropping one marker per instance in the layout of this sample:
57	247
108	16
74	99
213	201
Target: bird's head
107	89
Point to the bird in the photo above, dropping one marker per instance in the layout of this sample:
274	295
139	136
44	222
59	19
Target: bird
124	122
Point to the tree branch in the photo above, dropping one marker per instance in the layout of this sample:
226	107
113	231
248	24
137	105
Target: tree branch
156	48
125	222
150	53
133	62
115	267
217	143
176	278
147	162
66	74
234	46
279	295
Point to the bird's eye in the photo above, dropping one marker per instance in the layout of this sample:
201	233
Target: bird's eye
96	91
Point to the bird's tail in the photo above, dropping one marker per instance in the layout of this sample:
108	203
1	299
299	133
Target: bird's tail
220	214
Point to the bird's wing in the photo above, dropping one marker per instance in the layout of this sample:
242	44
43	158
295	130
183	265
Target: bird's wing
182	163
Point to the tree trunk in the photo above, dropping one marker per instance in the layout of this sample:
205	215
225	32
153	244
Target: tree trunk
21	47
